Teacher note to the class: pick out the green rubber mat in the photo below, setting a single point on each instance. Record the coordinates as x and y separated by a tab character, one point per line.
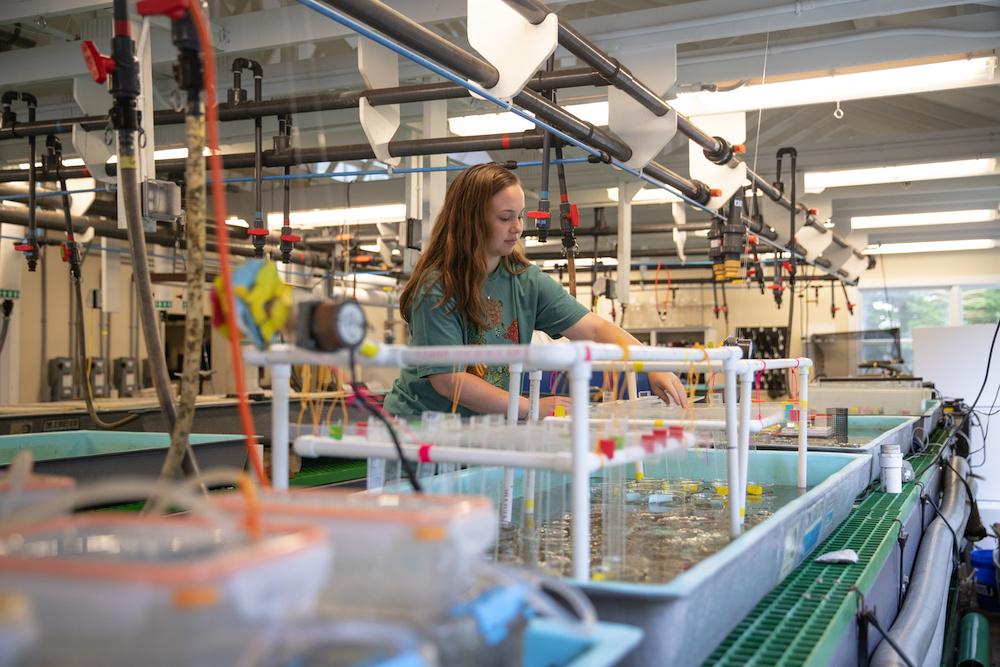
325	471
802	620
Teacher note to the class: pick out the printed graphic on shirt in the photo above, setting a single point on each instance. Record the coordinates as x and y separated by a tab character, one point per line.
498	376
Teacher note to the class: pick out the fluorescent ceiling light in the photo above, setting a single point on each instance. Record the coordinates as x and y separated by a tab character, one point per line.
506	122
834	88
333	217
580	262
921	219
68	162
817	181
237	222
842	87
373	247
929	246
167	154
648	196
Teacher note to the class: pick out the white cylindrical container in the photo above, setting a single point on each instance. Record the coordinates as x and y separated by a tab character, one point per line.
892	468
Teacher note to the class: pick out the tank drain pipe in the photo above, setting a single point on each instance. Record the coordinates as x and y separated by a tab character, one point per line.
258	231
29	246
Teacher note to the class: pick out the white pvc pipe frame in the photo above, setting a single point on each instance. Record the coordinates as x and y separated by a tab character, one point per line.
578	358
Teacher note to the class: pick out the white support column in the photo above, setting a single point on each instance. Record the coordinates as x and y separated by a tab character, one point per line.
803	473
435	183
732	449
280	379
627	191
414	211
534	396
746	396
579	390
513	408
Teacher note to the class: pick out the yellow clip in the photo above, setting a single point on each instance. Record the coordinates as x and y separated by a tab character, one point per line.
658	423
639	476
755	490
743	512
369	349
559	411
637	366
722	490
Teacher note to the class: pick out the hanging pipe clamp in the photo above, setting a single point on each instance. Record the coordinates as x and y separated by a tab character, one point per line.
29	244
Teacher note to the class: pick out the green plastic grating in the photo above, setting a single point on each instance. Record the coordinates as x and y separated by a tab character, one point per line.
324	471
801	621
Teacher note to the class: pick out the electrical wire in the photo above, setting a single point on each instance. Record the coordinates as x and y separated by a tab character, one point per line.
362	396
8	308
222	234
989	360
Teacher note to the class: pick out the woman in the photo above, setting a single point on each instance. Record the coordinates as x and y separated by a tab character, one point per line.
474	285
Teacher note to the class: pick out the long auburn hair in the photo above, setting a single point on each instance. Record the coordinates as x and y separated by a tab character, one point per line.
456	253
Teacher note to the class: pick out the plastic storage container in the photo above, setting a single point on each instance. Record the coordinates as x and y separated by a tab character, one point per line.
986	579
397	556
116	589
36	488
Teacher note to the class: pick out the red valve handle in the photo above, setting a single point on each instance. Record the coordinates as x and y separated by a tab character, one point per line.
173	9
258	231
98	64
23	247
574	215
538	215
291	238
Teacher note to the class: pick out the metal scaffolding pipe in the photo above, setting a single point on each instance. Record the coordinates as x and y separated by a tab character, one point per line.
411	34
272	158
570	78
104	227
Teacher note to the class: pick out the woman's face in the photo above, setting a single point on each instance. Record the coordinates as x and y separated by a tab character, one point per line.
505	220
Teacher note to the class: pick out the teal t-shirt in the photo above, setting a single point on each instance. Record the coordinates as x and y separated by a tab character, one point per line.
516	306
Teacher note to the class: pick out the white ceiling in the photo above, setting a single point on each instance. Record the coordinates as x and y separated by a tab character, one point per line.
718	41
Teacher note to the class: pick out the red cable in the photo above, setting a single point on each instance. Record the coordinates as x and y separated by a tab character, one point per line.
219	205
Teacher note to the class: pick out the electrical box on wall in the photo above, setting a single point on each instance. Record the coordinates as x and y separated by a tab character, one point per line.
125	377
98	376
60	378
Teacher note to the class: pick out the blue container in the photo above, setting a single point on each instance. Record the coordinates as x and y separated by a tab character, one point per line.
986	579
552	644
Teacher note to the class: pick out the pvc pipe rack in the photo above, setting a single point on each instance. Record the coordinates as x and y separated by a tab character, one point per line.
578	359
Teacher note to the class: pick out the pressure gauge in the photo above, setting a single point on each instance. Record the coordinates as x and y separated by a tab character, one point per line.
330	325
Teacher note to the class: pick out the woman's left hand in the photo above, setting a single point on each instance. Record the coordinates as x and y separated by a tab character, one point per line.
668	387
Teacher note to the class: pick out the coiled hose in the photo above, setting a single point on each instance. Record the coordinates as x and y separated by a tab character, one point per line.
194	323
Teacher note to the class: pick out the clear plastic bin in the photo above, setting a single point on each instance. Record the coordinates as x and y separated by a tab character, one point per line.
398	556
36	488
118	589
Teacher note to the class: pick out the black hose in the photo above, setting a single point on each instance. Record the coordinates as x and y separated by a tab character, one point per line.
81	330
8	308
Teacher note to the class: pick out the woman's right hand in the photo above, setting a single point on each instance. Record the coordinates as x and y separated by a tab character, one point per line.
547	405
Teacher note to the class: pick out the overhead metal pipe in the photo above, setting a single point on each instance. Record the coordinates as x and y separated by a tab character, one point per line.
107	228
570	78
411	34
298	156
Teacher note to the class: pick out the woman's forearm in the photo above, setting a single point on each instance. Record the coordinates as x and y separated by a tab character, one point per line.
475	393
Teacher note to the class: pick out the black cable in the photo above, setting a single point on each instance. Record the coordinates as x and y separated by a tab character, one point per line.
954	535
403	461
869	616
901	539
989	359
8	308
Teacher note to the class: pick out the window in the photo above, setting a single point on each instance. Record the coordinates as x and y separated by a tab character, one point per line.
905	308
980	305
928	307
